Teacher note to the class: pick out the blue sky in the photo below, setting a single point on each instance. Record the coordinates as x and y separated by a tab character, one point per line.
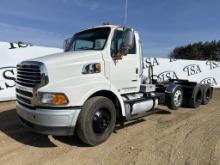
163	24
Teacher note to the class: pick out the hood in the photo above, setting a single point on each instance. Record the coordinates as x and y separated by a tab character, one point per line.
68	57
67	65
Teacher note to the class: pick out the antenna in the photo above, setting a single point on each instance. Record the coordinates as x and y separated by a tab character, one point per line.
126	12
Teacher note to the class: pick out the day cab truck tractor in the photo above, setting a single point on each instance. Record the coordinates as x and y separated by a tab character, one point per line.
95	83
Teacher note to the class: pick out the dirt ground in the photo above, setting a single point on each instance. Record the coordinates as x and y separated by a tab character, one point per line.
186	136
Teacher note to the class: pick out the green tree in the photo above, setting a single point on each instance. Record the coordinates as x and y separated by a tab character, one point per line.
198	51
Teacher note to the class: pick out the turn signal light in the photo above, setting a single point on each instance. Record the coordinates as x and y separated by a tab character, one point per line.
54	99
59	99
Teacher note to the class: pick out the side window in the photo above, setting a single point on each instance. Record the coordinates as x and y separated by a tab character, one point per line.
99	43
133	49
117	43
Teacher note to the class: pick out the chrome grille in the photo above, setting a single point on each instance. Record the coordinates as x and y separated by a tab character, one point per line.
30	76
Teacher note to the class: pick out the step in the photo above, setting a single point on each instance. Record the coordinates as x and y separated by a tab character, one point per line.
147	88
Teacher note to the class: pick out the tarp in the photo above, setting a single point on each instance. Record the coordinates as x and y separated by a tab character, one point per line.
10	55
205	72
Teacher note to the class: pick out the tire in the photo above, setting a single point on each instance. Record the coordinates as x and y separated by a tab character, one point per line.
207	94
174	100
96	120
196	98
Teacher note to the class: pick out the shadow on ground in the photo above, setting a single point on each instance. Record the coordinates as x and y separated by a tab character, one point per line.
162	112
12	127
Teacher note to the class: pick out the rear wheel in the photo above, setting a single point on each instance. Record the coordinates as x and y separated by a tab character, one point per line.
96	120
196	98
207	94
174	100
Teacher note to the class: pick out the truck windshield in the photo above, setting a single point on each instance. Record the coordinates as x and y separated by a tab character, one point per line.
92	39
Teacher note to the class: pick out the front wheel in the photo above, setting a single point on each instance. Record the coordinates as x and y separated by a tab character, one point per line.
96	120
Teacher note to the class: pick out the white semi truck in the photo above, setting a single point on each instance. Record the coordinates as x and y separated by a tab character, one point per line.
95	83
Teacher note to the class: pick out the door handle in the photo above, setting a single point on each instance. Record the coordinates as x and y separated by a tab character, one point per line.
136	70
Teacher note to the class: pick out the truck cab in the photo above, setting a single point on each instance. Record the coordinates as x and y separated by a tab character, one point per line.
96	82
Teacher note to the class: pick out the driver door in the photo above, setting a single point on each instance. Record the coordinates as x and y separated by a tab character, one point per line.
124	73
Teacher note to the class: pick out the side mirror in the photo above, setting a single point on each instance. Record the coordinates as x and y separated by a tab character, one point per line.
127	40
66	43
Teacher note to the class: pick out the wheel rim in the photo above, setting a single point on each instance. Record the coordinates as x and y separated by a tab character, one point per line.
101	121
178	97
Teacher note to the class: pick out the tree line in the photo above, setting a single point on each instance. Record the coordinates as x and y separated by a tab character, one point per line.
209	50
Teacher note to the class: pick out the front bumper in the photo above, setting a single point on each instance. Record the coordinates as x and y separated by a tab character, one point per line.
48	121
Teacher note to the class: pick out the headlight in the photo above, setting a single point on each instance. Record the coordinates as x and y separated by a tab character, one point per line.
53	98
91	68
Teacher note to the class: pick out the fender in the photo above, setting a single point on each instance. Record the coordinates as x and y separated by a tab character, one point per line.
113	90
171	88
87	90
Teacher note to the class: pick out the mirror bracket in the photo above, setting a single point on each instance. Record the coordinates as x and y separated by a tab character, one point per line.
118	56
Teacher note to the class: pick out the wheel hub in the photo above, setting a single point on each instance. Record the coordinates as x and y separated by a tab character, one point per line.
101	121
178	97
